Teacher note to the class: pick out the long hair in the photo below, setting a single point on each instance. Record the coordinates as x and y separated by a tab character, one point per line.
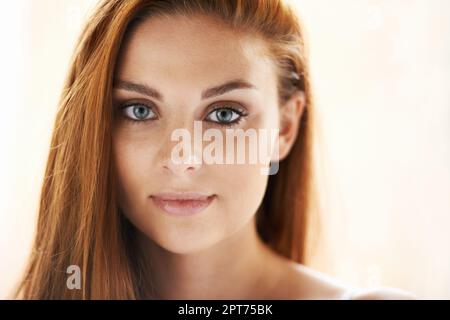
79	221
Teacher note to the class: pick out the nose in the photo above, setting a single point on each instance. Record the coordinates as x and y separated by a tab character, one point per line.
183	155
185	164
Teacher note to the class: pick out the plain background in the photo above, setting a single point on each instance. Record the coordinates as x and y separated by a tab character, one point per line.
381	75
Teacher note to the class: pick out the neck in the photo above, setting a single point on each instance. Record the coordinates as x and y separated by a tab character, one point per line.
239	267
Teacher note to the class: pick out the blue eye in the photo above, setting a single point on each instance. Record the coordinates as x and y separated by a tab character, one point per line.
225	116
138	112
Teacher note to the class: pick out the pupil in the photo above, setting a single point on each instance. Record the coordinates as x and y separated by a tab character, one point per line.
140	112
225	115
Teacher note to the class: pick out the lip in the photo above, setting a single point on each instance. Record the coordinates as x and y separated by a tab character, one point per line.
182	203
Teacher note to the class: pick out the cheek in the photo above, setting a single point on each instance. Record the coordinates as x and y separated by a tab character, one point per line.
242	188
133	161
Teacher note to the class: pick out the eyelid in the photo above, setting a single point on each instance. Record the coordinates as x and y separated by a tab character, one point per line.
133	103
228	105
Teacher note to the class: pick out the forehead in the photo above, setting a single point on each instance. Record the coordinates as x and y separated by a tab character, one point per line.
192	50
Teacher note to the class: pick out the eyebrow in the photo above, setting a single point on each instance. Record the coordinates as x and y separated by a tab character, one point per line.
206	94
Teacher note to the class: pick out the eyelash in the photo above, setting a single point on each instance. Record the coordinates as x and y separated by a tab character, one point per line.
240	112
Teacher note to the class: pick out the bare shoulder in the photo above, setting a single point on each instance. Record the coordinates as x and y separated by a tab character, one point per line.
300	282
383	293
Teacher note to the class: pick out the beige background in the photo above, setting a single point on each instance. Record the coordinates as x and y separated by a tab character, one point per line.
381	72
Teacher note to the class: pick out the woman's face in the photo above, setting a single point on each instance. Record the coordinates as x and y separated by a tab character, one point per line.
164	70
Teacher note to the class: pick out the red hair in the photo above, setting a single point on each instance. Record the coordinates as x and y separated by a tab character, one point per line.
79	221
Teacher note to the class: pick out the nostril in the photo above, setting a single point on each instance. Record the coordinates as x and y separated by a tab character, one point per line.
180	165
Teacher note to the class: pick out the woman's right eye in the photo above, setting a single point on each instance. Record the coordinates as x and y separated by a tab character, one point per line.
138	112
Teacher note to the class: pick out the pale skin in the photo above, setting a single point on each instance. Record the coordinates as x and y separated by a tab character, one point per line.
216	254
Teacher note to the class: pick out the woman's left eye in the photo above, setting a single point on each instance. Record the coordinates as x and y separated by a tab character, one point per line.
225	116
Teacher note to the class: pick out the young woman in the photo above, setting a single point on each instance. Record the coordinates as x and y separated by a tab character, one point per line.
140	225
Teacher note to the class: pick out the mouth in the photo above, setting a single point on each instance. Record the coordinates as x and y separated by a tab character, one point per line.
182	203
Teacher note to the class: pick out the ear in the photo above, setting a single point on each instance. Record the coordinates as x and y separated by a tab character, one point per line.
290	115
